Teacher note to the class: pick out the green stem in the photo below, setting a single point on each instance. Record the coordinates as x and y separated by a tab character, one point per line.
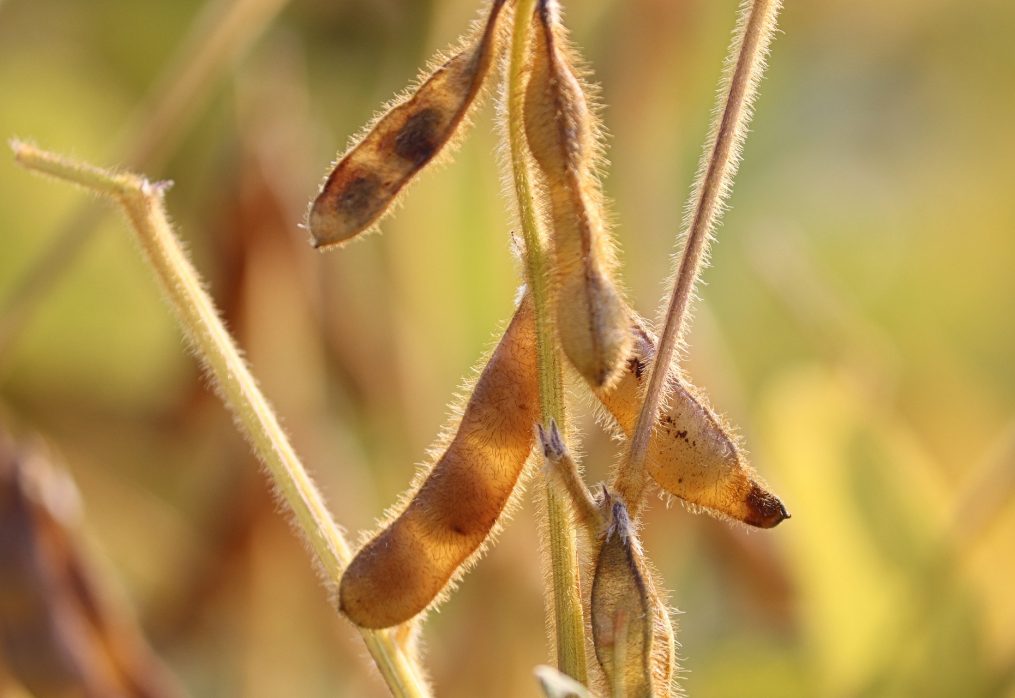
569	621
200	321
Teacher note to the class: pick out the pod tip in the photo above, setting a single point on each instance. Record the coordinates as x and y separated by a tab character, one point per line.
766	510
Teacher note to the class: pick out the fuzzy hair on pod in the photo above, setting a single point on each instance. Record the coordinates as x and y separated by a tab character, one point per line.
692	453
562	133
449	515
631	629
403	140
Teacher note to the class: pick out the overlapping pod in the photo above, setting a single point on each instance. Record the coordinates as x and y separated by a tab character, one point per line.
691	453
405	567
368	178
592	321
631	628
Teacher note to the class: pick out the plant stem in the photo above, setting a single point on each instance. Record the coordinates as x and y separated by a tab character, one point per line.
569	621
200	321
718	165
563	467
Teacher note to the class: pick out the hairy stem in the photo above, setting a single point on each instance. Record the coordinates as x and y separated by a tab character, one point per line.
718	165
565	469
200	321
569	622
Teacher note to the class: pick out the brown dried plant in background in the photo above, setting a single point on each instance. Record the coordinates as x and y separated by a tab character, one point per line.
62	632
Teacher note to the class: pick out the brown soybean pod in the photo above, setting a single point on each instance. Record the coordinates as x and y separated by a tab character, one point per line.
691	454
405	567
591	316
631	629
368	178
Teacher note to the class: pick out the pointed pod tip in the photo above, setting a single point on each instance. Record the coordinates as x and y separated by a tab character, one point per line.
765	509
324	243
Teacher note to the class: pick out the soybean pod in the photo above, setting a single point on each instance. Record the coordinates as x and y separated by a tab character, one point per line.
561	131
452	511
367	180
692	454
631	628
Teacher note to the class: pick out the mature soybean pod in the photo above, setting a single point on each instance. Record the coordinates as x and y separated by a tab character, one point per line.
405	567
631	629
368	178
691	454
559	126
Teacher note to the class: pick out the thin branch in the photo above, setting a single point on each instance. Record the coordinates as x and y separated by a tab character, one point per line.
566	471
143	203
745	65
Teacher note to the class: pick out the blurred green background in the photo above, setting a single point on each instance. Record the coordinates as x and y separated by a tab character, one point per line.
857	323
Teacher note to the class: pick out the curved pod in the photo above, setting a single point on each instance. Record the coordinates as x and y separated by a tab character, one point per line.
559	128
691	453
400	572
367	180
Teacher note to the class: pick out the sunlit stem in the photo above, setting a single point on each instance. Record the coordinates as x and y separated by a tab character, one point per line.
568	622
563	467
199	319
718	165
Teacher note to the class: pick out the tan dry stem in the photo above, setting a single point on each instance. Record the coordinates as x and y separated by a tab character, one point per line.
566	471
715	180
565	607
